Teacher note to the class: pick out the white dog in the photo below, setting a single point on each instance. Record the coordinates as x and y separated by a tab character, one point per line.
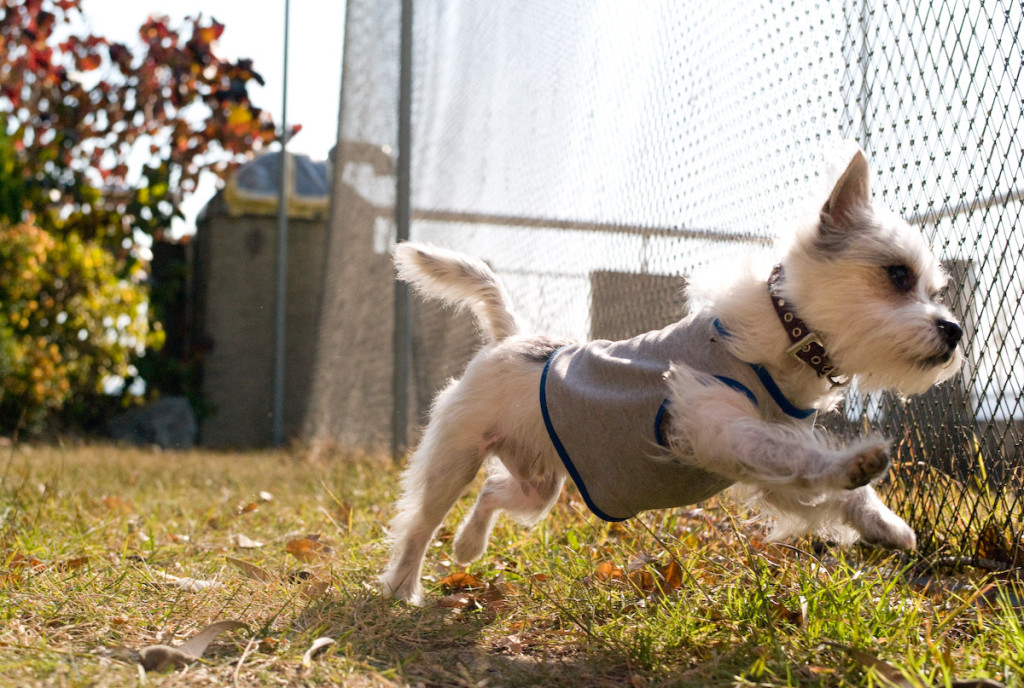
727	395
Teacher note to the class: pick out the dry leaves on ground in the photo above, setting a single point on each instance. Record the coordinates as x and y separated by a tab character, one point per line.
163	657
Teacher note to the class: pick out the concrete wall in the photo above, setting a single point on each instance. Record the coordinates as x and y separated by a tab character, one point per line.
623	305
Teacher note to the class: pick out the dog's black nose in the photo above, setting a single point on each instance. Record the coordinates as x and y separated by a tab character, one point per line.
950	332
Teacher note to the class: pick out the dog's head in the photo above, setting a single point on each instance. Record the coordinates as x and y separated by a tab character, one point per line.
867	283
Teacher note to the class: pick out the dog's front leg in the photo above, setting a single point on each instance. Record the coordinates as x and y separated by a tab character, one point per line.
864	510
720	430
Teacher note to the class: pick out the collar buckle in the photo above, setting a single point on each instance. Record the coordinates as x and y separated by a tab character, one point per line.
805	346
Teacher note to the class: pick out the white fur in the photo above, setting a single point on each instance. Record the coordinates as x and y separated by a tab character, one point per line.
835	276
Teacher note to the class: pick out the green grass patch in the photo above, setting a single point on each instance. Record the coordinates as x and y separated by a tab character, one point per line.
105	552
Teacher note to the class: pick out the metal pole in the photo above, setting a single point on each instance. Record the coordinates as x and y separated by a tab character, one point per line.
281	305
403	182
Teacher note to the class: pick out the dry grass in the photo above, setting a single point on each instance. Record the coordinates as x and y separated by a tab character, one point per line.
93	536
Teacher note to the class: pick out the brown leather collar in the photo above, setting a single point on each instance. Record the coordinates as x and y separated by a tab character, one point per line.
807	346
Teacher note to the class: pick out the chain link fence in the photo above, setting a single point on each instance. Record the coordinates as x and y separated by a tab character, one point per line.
596	153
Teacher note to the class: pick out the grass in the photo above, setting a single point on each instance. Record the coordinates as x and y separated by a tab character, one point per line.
98	545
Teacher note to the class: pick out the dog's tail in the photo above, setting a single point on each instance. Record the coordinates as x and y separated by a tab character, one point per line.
461	281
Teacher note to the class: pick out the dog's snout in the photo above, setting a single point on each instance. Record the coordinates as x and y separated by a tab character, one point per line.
950	332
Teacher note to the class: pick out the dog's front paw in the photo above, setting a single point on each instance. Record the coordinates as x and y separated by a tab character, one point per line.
867	464
875	521
899	535
887	529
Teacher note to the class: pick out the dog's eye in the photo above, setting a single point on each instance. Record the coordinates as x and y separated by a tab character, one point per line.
901	277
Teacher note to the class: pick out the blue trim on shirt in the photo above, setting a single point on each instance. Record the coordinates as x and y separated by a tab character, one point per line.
659	418
773	389
560	448
738	386
770	386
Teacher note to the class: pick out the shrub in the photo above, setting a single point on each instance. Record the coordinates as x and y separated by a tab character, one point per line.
69	323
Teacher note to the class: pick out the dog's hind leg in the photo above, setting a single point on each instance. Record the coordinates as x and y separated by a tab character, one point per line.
527	500
440	470
433	483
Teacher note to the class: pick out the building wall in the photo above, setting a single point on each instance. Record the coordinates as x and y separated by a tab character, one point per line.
236	263
623	305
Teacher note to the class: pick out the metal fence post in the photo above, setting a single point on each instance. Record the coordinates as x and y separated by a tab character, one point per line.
281	307
403	326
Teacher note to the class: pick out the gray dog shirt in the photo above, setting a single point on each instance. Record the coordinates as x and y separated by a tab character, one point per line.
604	405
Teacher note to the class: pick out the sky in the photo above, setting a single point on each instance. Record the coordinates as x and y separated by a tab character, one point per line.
255	29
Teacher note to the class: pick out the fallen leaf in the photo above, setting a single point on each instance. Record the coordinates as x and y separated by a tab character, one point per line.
303	550
307	548
115	503
71	564
248	508
312	591
460	580
186	583
503	564
318	644
607	571
477	595
459	600
643	580
251	570
20	561
198	643
513	644
245	542
672	575
161	657
494	596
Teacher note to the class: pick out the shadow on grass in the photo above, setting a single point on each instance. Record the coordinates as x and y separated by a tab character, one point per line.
440	646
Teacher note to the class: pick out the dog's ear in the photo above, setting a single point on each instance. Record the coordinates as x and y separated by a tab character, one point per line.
851	194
